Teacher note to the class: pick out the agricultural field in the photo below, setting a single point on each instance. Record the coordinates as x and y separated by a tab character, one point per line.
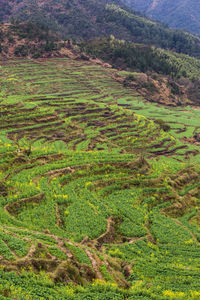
97	200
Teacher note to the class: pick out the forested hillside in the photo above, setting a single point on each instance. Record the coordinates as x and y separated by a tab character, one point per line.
99	18
27	40
178	14
162	70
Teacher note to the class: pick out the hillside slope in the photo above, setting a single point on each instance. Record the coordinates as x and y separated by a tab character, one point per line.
162	76
178	14
98	18
97	201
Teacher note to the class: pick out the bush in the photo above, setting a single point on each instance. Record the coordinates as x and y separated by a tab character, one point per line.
21	50
128	79
163	125
150	86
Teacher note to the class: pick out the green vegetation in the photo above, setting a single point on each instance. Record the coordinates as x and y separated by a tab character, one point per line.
179	73
142	58
27	39
98	201
97	19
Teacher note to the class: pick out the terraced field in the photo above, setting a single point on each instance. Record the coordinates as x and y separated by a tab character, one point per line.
97	201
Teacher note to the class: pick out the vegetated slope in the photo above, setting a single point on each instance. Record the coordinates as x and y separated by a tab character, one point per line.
178	14
93	191
99	18
29	40
67	16
168	77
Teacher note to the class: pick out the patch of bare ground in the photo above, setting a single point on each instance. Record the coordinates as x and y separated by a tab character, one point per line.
181	204
109	235
39	258
32	132
153	90
14	208
183	177
21	159
191	140
59	172
166	151
180	207
3	189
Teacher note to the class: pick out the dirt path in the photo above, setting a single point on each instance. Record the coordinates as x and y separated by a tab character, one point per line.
60	244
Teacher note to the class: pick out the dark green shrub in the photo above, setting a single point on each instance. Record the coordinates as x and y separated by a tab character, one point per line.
163	125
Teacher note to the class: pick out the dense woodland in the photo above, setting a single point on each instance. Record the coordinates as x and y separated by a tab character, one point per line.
142	58
28	39
181	70
100	19
134	56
